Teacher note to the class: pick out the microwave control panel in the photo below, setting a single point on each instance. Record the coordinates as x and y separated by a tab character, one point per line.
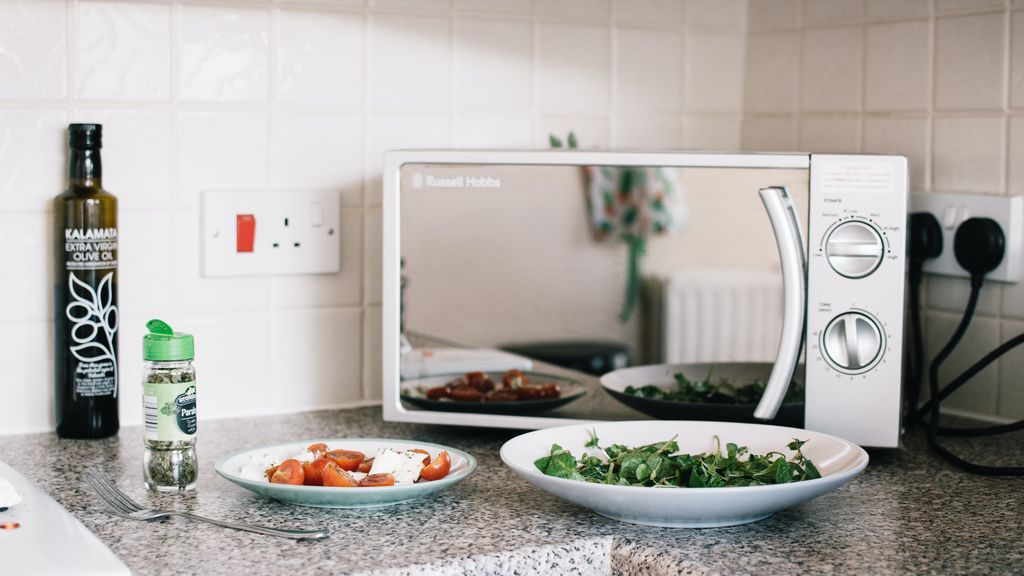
855	290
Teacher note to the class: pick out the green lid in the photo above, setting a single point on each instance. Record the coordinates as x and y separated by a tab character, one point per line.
165	345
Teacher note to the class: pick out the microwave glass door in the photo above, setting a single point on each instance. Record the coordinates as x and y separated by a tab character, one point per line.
652	264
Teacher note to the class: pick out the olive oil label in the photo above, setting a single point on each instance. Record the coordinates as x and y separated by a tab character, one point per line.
90	248
93	319
169	411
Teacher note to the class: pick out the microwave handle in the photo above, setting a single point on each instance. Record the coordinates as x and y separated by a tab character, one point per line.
790	240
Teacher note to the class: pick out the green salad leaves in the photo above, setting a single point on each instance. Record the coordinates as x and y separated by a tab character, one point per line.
660	465
720	391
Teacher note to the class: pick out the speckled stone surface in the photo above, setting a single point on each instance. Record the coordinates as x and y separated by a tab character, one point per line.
908	513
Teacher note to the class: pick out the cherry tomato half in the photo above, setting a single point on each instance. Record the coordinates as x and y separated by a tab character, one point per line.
271	470
437	469
318	449
346	459
365	466
334	476
314	471
426	455
374	480
288	472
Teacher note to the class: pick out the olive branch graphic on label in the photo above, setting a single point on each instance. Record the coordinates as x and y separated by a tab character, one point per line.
94	316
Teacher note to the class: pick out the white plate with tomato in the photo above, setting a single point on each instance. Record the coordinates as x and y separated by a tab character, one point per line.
347	472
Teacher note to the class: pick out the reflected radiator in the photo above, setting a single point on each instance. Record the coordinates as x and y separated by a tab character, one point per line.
713	315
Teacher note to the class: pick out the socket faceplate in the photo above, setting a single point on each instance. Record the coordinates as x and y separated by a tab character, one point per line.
952	209
284	232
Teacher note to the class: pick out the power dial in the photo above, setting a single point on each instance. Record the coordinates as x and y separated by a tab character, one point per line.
854	249
853	342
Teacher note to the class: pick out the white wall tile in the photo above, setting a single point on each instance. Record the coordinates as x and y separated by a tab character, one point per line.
662	13
373	253
712	133
1013	301
773	15
124	51
396	132
496	6
1016	160
33	49
830	134
591	131
833	11
969	61
193	295
1011	375
981	394
318	151
904	136
233	364
419	5
1017	61
884	9
773	73
321	348
33	161
224	54
946	6
897	66
951	294
574	73
220	150
26	277
28	407
140	180
714	72
639	84
831	80
343	288
724	15
647	132
575	9
409	62
968	154
319	58
493	63
493	130
144	253
769	133
372	380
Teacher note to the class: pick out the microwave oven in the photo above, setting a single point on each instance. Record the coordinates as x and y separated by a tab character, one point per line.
793	260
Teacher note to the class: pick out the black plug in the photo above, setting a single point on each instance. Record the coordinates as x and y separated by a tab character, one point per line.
925	242
979	247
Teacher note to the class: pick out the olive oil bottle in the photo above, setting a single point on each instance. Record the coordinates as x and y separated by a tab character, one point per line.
85	295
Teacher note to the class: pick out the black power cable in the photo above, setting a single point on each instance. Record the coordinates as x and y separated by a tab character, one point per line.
979	246
925	242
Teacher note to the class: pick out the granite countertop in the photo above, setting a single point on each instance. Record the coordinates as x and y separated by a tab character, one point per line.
908	513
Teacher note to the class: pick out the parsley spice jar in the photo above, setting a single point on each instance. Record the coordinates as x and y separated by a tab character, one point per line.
169	409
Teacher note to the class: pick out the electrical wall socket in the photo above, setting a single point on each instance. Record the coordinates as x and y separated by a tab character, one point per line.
952	209
270	232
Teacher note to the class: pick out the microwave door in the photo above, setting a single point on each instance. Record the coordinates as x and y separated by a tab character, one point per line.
789	239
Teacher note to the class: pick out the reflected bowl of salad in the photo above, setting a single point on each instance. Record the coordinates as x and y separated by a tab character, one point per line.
722	391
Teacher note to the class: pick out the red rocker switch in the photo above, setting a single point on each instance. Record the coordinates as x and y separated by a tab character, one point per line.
245	232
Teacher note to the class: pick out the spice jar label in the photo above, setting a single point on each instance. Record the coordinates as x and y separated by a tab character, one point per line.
170	411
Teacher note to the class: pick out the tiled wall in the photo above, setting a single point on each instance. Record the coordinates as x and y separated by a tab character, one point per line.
941	82
232	94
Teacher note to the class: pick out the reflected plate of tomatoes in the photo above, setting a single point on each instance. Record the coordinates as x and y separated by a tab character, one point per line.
511	392
371	492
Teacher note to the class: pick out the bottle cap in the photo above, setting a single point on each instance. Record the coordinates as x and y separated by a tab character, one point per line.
85	136
163	344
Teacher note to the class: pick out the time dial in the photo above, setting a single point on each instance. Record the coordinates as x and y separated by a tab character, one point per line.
853	342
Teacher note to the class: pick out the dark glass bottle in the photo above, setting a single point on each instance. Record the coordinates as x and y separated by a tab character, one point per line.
85	314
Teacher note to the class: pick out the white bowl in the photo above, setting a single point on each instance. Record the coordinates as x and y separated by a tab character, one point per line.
838	460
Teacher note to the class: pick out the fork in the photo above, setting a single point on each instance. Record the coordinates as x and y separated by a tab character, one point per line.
125	507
